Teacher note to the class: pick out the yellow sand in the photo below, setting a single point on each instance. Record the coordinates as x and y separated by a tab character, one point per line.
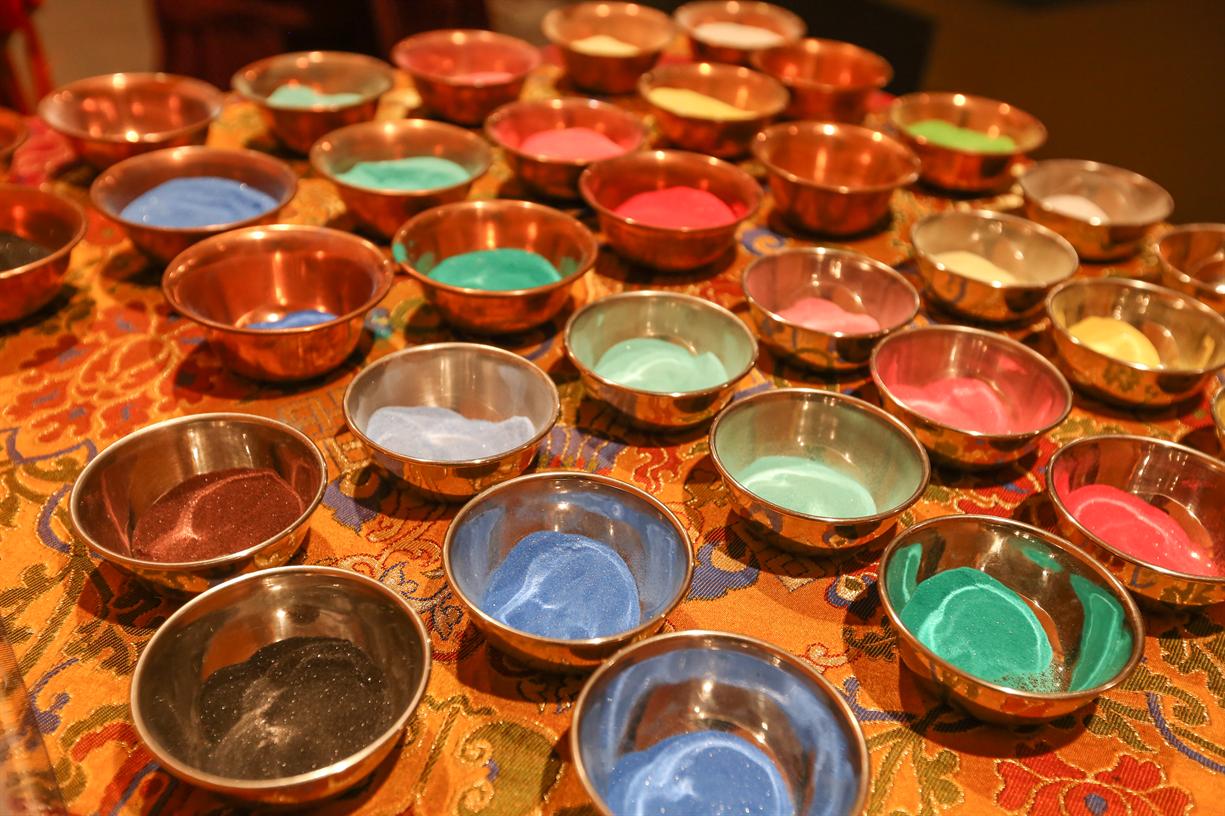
973	265
1116	339
684	102
602	45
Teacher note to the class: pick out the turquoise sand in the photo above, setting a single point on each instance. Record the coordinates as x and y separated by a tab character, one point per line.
405	175
495	270
807	486
652	364
295	95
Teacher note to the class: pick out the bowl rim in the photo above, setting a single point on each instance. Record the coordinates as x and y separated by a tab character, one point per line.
214	782
240	81
641	294
1218	409
813	129
1177	273
654	79
210	95
683	15
663	22
1039	138
21	131
1092	167
504	112
771	653
430	349
1131	613
479	35
814	45
113	449
61	252
684	544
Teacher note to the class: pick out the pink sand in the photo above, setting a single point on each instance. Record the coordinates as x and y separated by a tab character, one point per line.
571	144
677	207
827	316
964	403
483	77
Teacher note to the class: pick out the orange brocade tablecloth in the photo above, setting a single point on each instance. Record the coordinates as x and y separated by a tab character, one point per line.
491	736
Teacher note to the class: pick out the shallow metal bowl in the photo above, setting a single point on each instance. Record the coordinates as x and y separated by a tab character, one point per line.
829	81
1192	259
648	29
49	220
790	27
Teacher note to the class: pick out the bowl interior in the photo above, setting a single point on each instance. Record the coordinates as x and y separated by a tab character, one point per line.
643	26
826	63
739	87
338	151
12	131
325	72
610	183
1015	245
521	119
130	107
973	113
44	218
839	156
758	15
1198	253
1125	197
449	54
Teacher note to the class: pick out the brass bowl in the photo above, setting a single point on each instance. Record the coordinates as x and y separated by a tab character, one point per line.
1185	483
13	132
113	117
258	273
782	22
121	183
1036	565
324	71
696	680
1182	329
1024	379
608	184
122	481
762	96
437	61
384	211
650	30
1038	257
45	218
966	170
829	81
480	382
833	178
1192	260
549	176
1133	203
692	322
228	624
645	533
857	438
852	280
469	226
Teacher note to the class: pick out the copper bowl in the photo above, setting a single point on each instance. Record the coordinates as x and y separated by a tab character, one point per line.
648	29
50	220
788	26
121	183
438	61
1133	205
1039	258
324	71
13	132
829	81
254	274
384	211
113	117
761	97
833	178
552	177
1185	483
1187	333
480	382
608	184
855	282
120	483
1218	418
966	170
1026	382
469	226
691	322
1192	260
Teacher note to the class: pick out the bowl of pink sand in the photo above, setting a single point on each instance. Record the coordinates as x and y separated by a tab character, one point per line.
607	46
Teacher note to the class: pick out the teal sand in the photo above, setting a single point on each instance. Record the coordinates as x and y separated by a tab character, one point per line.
411	174
493	270
652	364
807	486
304	96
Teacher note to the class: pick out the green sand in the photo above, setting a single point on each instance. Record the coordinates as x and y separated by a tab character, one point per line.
807	486
405	175
946	134
1105	641
304	96
651	364
494	270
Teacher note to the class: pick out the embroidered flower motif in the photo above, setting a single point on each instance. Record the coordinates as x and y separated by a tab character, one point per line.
1047	784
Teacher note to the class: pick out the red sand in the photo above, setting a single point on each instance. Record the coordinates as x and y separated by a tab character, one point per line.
964	403
677	207
571	144
825	315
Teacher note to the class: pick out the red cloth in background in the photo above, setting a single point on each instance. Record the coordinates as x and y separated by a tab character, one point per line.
14	19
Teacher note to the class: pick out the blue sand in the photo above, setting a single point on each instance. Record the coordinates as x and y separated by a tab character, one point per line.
197	201
294	320
440	434
563	585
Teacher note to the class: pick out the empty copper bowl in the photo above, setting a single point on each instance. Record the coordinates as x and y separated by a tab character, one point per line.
113	117
464	75
829	81
608	184
832	178
13	132
1192	260
547	175
1030	387
1036	257
49	220
258	274
760	96
1133	205
647	29
385	211
470	226
789	27
328	72
1189	337
966	170
480	382
117	487
854	281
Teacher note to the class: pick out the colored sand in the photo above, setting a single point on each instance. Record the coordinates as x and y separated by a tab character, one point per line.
973	265
214	514
1116	338
483	77
16	251
737	35
295	95
807	486
197	201
711	773
440	434
964	403
292	707
1076	207
405	175
571	144
677	208
825	315
602	45
652	364
563	585
684	102
946	134
496	270
1105	640
293	320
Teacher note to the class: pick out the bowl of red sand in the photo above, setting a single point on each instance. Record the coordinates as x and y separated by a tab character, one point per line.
732	31
829	81
550	142
607	46
975	399
463	75
670	210
190	502
1152	512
